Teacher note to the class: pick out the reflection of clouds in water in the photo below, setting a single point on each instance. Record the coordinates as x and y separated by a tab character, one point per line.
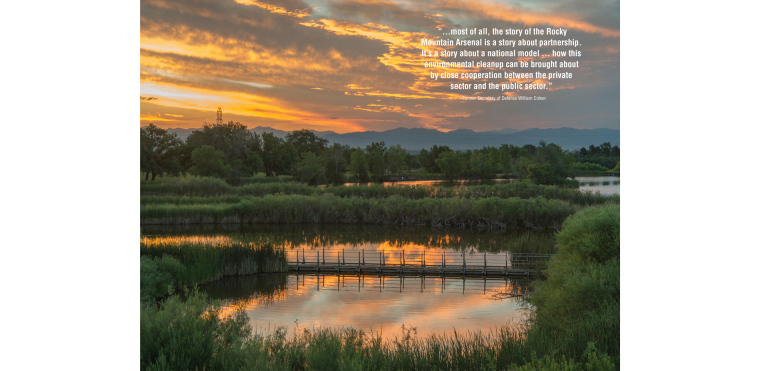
371	303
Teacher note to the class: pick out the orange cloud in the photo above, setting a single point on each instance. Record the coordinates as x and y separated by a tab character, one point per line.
274	8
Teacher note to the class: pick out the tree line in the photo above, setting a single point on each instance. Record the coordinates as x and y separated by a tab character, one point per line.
605	155
231	152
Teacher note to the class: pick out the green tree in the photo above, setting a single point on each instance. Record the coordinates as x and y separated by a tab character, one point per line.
159	152
306	141
310	169
358	166
395	157
484	163
336	159
240	147
278	155
208	161
376	160
452	164
428	159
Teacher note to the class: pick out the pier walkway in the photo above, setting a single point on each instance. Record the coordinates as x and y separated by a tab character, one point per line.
415	262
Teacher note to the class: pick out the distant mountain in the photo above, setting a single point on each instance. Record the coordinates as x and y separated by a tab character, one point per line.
415	139
267	129
181	133
503	131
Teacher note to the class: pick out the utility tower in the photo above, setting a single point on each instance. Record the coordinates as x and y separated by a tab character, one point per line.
219	116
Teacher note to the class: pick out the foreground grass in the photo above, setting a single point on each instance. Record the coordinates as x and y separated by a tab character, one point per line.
488	213
181	335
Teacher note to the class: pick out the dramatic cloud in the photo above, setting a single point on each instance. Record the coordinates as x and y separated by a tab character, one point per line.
356	65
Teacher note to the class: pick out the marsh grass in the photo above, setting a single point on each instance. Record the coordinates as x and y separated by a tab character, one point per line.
204	262
193	335
195	190
334	235
484	213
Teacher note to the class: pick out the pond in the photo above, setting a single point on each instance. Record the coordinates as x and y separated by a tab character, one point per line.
375	304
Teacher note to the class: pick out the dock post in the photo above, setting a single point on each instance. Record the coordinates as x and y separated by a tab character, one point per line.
464	264
303	255
344	256
422	270
323	255
317	268
363	257
297	265
403	260
485	264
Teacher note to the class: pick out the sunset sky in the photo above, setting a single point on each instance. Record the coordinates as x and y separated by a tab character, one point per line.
355	65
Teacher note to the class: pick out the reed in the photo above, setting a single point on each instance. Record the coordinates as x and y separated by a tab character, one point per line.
216	191
329	235
204	262
189	335
486	213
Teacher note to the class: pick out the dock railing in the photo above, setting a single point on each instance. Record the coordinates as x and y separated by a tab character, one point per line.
419	261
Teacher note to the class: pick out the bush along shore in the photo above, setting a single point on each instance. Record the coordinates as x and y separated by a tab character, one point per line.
575	324
489	213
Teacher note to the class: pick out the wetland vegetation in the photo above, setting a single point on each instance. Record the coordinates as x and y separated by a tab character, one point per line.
227	202
562	333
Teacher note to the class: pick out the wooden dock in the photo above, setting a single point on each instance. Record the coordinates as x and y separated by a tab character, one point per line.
414	262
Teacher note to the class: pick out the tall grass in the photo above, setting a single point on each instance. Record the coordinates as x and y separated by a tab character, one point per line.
203	262
214	191
329	235
190	335
489	213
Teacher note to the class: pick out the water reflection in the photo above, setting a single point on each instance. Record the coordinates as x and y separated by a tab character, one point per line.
359	237
441	183
606	185
375	304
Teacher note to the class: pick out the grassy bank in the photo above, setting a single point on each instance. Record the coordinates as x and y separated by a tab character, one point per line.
194	190
489	213
189	263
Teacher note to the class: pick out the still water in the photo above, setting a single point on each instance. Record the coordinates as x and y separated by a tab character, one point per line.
376	304
338	237
606	185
